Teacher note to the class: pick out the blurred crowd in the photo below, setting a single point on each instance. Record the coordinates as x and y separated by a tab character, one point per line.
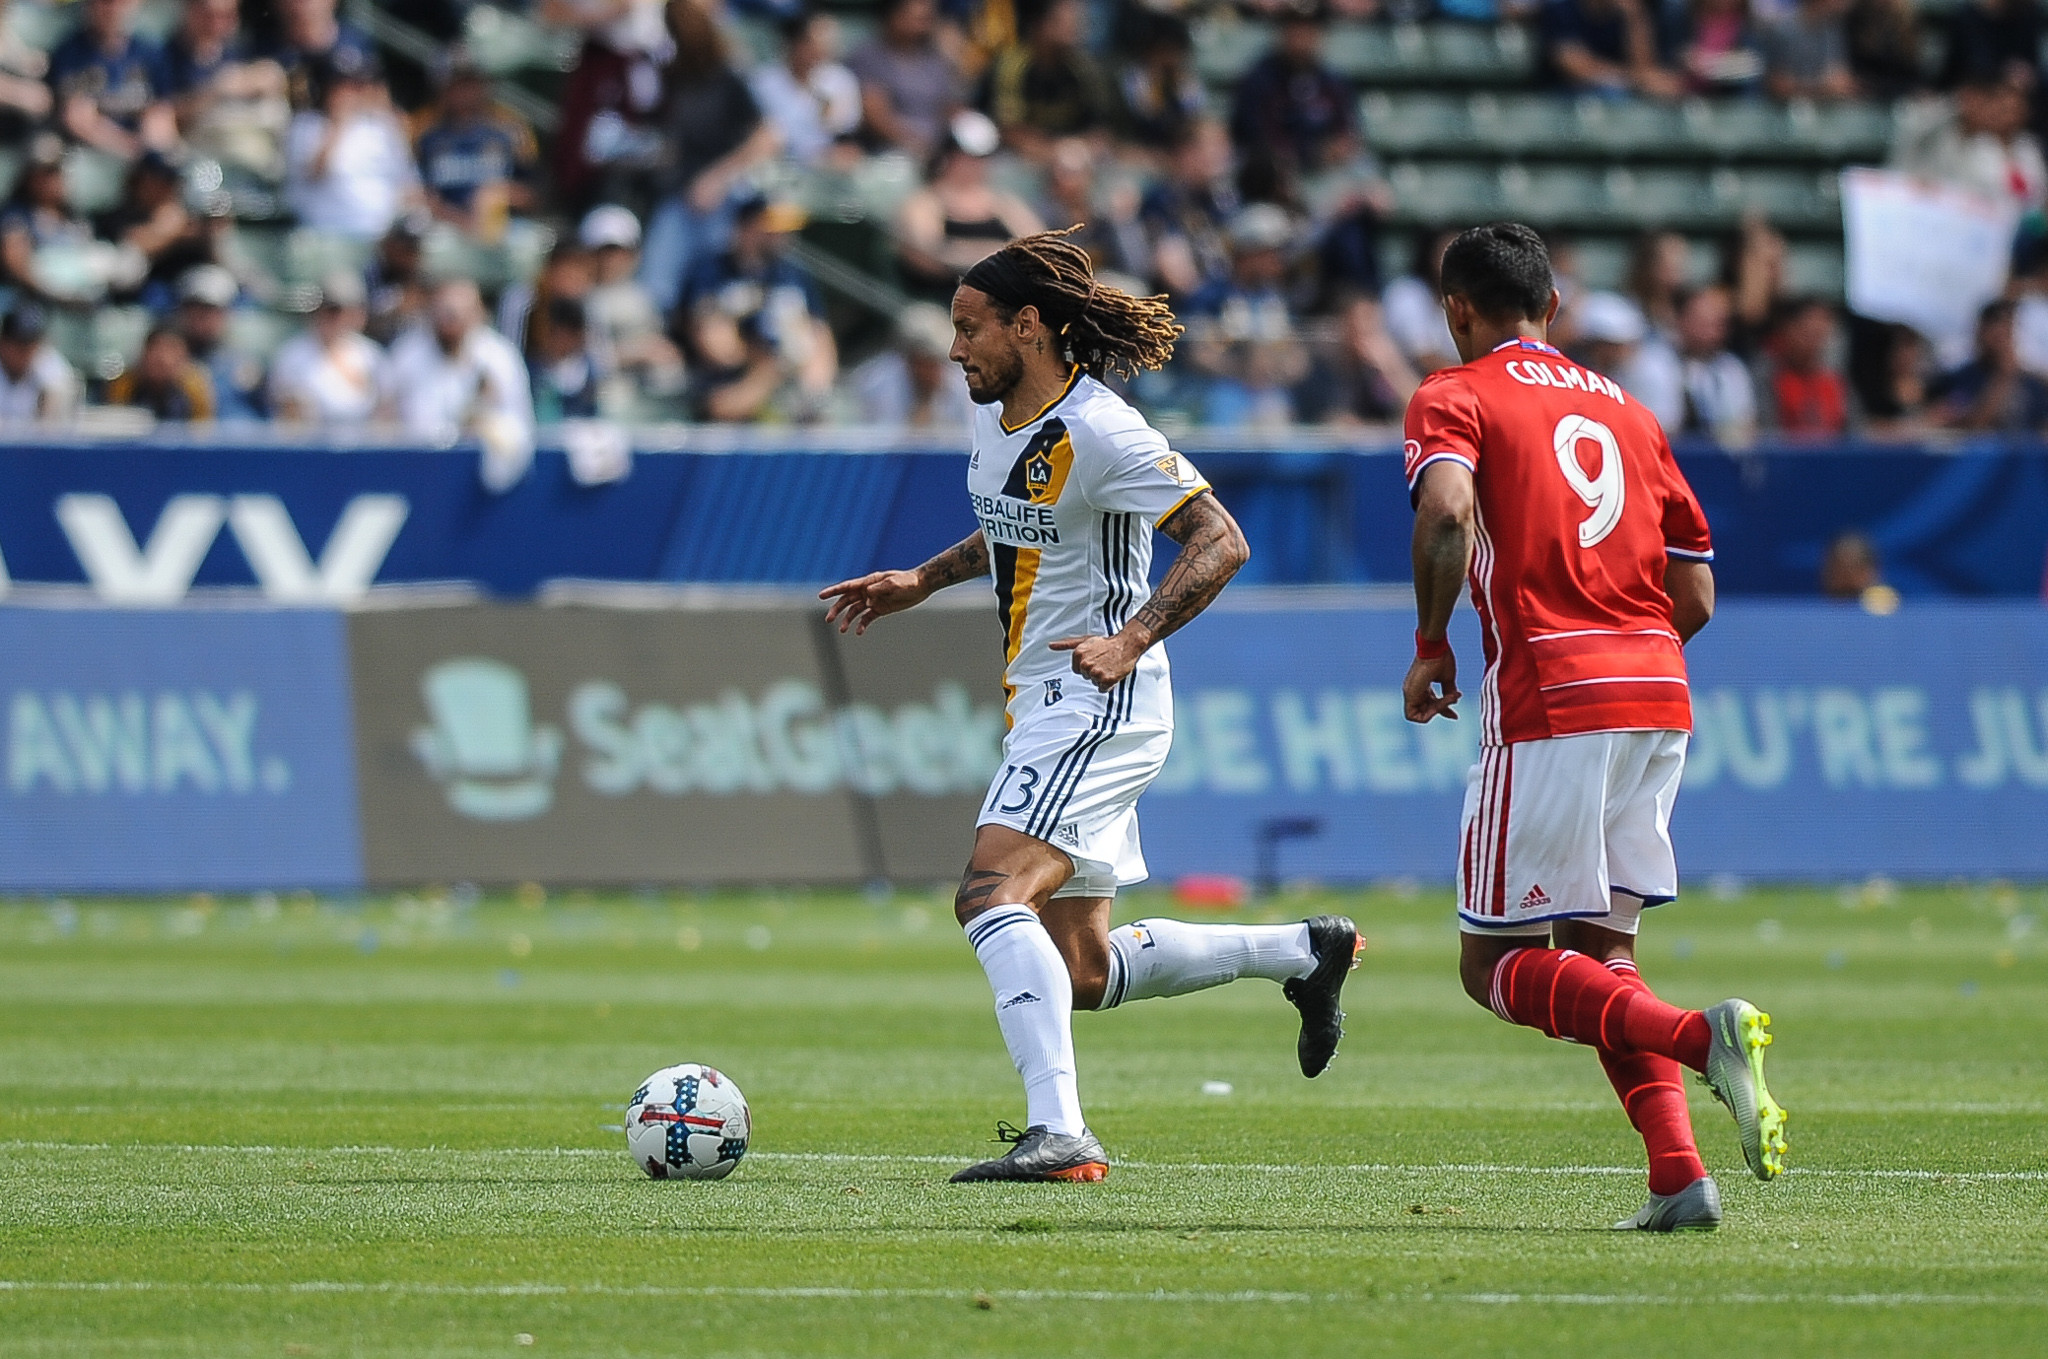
654	256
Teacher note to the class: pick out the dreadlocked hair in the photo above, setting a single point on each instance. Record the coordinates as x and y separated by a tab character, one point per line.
1105	329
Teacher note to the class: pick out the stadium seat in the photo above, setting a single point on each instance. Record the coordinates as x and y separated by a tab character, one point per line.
100	343
504	42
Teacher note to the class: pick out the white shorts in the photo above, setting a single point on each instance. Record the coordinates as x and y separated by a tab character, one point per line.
1569	828
1073	770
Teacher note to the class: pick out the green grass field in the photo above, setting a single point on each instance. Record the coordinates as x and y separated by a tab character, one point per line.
264	1128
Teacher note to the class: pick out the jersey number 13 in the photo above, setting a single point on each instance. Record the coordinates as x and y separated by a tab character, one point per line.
1605	490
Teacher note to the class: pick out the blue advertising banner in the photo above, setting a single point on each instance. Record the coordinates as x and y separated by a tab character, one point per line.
1829	744
158	751
144	524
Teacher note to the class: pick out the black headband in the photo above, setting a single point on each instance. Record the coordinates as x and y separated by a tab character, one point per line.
1004	280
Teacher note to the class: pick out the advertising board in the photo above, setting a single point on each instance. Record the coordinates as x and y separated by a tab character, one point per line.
591	745
152	751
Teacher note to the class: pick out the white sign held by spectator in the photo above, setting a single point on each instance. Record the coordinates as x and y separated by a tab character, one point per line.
1923	254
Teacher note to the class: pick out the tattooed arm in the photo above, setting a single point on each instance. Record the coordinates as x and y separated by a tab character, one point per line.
857	603
1212	548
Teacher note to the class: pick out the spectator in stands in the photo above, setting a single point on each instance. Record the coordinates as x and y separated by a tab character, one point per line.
568	271
612	95
349	169
25	98
812	100
310	39
1605	47
1369	380
162	236
947	227
476	160
1104	207
1891	372
1806	53
564	375
1978	141
1245	337
1753	266
206	294
908	87
713	135
1659	271
914	384
1292	110
1415	308
109	85
1718	48
756	322
1720	396
1187	212
330	374
396	280
1614	339
1984	38
1803	391
1884	48
36	384
455	377
627	333
231	103
1160	92
1046	86
41	234
1992	392
165	381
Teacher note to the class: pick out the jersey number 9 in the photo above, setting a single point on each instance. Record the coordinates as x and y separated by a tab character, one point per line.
1604	490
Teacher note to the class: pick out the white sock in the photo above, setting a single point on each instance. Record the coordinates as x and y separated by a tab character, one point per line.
1171	958
1035	1010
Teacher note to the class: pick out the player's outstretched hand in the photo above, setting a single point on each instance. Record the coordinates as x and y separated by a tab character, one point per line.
857	603
1431	688
1102	661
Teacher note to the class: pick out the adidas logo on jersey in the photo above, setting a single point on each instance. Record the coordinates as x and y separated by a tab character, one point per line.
1068	834
1021	998
1537	898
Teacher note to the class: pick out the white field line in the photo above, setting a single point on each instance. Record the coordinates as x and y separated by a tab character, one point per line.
834	1293
853	1158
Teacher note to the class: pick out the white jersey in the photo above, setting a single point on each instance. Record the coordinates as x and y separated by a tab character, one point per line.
1067	503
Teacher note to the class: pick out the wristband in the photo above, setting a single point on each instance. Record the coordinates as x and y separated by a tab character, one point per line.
1426	650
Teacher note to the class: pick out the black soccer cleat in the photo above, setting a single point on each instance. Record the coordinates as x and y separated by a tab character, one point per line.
1336	943
1037	1155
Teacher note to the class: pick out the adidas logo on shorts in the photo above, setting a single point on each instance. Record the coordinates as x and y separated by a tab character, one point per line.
1021	998
1536	900
1068	835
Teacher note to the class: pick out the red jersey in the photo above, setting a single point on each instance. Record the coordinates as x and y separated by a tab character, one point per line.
1579	504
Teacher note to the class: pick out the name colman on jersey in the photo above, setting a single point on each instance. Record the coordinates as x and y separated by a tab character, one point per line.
1004	520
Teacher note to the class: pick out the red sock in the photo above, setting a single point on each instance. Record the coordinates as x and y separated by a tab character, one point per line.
1652	1090
1568	995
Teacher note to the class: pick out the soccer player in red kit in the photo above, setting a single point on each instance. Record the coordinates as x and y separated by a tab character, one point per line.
1556	494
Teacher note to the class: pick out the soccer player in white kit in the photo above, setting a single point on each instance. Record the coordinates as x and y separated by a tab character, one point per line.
1069	482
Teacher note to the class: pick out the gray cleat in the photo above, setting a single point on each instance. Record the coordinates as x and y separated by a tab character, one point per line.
1695	1208
1039	1155
1735	1073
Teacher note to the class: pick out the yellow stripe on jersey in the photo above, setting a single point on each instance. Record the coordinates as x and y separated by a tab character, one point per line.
1045	474
1019	603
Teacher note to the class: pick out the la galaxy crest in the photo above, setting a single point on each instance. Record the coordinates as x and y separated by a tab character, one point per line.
1038	474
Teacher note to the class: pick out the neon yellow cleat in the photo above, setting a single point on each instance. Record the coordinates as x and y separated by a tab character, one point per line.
1735	1073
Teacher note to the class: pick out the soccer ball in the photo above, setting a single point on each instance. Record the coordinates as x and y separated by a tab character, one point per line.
687	1122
